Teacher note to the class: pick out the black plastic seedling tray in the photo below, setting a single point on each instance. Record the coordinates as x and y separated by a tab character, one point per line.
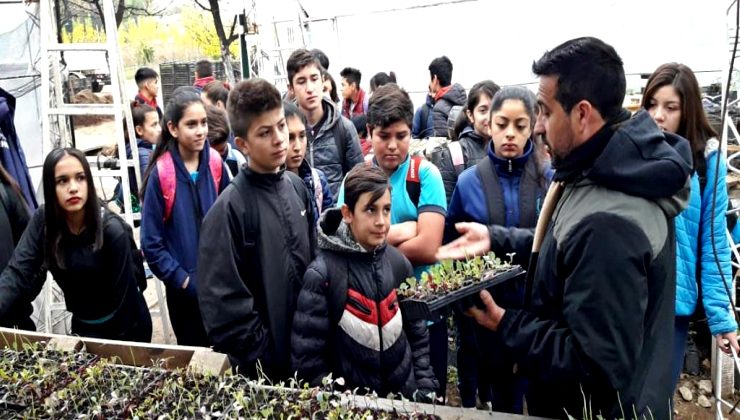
414	308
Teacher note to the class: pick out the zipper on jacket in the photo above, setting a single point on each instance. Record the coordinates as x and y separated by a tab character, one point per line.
378	285
511	169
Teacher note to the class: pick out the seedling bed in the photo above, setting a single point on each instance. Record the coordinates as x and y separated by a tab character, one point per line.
28	376
101	391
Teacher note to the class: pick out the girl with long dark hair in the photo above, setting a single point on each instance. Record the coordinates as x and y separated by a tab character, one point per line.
88	251
673	98
182	182
504	191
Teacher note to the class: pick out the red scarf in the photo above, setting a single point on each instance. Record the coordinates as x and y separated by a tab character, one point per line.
441	92
200	83
143	100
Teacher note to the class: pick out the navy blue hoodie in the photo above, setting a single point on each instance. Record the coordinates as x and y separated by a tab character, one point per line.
171	247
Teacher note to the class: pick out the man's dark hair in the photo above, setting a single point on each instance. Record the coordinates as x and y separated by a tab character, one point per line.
351	75
363	179
586	69
218	125
389	105
323	59
248	100
204	68
143	74
298	60
381	79
291	110
442	68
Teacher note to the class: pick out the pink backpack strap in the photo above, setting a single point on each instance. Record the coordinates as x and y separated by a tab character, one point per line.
167	182
217	167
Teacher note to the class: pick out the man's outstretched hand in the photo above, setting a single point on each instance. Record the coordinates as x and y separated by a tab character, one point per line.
489	317
474	240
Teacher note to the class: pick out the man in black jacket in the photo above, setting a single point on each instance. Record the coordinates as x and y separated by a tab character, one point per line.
256	241
600	323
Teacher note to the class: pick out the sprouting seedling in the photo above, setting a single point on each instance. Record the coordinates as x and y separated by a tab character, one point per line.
511	257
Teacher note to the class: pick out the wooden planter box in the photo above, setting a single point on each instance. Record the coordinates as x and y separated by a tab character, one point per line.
207	361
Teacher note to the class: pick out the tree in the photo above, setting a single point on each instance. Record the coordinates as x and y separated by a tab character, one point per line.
123	9
224	40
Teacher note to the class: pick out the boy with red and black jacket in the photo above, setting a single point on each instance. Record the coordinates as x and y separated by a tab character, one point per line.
348	322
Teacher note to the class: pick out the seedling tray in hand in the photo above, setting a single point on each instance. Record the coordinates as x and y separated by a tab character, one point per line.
416	308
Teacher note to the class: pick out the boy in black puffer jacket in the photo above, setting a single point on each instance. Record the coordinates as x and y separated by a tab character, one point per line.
348	322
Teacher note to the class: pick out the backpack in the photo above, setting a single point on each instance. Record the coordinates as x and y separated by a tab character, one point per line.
413	180
338	283
168	179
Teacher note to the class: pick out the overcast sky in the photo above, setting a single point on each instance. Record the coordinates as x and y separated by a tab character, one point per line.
499	40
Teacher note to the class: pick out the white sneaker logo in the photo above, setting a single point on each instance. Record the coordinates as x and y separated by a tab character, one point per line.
303	213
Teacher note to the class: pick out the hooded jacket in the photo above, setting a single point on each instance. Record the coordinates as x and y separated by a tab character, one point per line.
14	217
518	203
171	246
257	240
473	149
454	95
423	125
600	324
372	346
695	254
11	152
323	153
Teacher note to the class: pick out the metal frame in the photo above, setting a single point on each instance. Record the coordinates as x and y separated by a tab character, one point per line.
56	130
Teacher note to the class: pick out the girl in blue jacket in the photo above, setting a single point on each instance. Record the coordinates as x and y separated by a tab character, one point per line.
182	182
672	97
504	190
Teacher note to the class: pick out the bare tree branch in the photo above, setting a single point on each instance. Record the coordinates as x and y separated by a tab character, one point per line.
202	6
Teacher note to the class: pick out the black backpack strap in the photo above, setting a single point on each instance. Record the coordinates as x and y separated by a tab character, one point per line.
399	265
529	194
492	191
340	139
242	184
337	285
413	179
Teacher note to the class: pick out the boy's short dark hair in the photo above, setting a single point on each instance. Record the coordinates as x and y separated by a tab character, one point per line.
298	60
360	122
291	110
362	179
352	75
323	59
249	99
388	105
204	68
442	68
143	74
218	125
216	91
587	69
